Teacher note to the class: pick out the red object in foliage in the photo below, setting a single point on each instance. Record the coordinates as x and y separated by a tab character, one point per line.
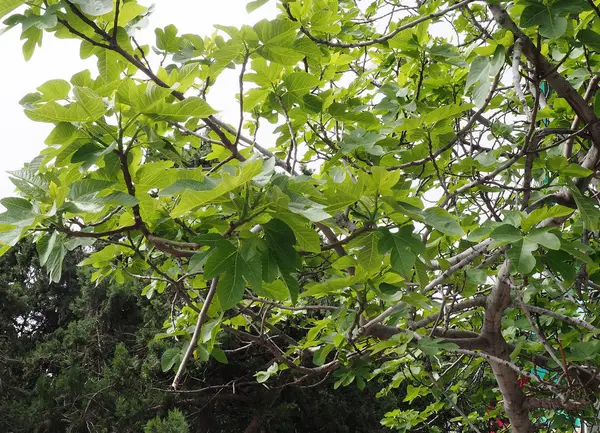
497	424
522	381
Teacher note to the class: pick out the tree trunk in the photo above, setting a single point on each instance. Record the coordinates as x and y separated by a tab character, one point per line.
513	397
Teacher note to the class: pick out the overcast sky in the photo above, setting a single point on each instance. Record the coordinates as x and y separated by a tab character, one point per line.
22	139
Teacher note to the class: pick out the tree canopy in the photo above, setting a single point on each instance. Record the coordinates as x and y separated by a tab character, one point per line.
423	215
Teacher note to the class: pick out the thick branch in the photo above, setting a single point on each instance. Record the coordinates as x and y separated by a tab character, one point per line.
497	301
560	85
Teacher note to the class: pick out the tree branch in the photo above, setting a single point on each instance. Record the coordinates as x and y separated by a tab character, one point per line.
382	39
196	335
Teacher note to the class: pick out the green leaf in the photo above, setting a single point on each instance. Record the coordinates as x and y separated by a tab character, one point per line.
551	25
422	277
402	259
480	71
479	76
54	89
306	236
8	5
181	111
17	210
522	260
270	270
197	261
562	263
87	187
590	39
575	170
506	234
368	255
90	153
219	355
18	217
320	355
432	347
144	97
180	185
278	32
220	259
300	82
192	199
587	208
414	392
253	5
312	103
280	239
251	267
417	300
292	285
441	220
476	276
583	351
282	55
307	48
543	237
263	376
129	11
329	286
33	37
166	39
446	112
52	252
237	267
275	290
541	214
95	7
230	289
569	6
578	250
169	358
109	66
89	107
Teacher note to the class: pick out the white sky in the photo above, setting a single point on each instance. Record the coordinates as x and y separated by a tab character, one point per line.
22	139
